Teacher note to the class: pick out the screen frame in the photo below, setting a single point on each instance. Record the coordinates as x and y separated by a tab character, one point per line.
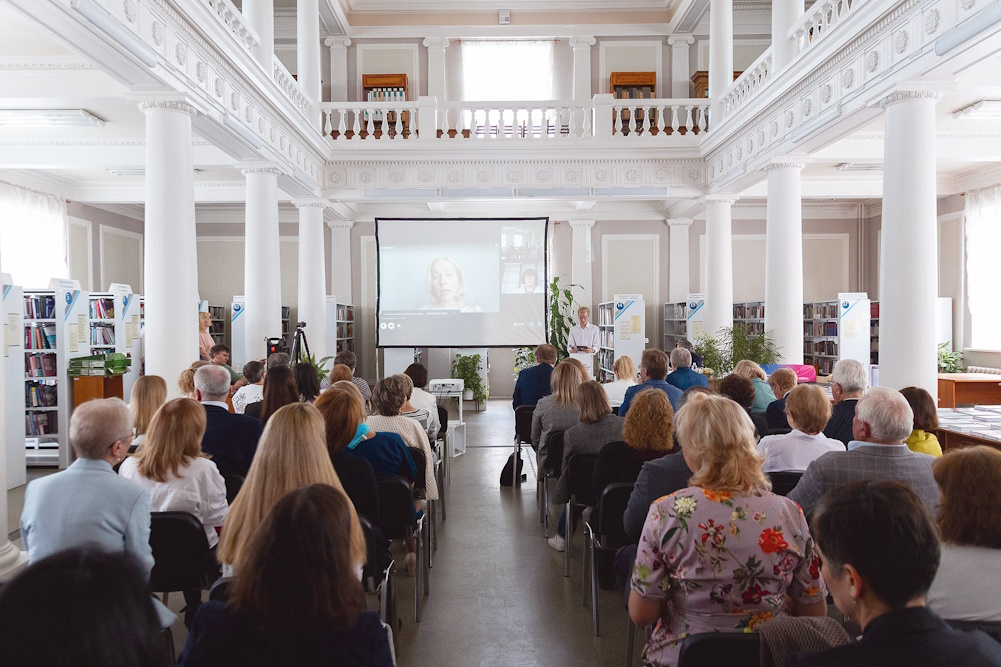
378	277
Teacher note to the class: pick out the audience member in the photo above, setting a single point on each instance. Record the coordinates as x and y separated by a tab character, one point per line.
342	414
420	398
849	380
882	421
253	390
340	372
88	504
921	439
279	390
80	607
782	381
740	390
967	586
230	440
763	395
186	380
205	340
349	359
807	410
306	381
148	393
880	553
625	377
292	454
420	415
296	600
535	382
277	359
696	357
558	411
653	370
706	562
597	427
219	355
683	376
387	399
386	452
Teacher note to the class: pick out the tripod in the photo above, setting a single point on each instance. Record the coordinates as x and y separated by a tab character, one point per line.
299	343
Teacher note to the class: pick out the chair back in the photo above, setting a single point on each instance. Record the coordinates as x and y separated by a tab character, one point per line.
396	507
580	479
371	569
523	422
420	462
554	457
991	628
233	485
784	482
220	589
180	551
443	420
709	649
612	509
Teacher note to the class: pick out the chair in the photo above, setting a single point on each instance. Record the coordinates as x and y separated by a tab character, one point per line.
552	470
375	580
181	554
610	534
991	628
398	521
708	649
784	482
233	485
522	433
420	488
580	480
443	436
221	589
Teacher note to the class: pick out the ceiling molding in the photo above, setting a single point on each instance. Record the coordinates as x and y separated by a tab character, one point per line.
44	64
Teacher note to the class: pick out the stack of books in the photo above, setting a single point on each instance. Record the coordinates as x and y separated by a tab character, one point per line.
99	365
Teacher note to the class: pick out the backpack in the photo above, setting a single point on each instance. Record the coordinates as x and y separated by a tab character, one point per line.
507	474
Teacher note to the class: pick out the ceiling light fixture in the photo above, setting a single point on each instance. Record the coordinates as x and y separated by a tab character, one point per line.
48	118
853	166
980	109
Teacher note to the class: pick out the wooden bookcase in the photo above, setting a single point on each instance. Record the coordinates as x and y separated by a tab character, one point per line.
386	87
632	86
701	82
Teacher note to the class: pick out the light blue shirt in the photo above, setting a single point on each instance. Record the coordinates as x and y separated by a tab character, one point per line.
87	505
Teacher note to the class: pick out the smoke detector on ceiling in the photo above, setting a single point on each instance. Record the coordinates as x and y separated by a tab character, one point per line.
504	17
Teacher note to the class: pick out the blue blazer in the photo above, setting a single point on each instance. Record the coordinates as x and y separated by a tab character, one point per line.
683	378
775	415
533	383
673	394
230	439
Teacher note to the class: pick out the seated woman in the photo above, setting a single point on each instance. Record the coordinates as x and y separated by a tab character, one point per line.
291	453
420	398
724	554
558	411
253	390
186	380
741	391
763	394
880	552
280	390
340	372
296	600
597	427
421	415
967	586
921	439
807	410
148	394
625	377
306	381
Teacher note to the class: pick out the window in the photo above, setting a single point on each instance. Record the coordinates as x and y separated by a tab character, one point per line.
32	237
507	71
983	238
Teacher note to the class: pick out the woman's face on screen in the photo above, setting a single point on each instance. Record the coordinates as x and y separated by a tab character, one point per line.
444	282
529	282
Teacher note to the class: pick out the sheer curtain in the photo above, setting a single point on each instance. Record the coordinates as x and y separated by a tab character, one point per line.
983	239
32	236
506	71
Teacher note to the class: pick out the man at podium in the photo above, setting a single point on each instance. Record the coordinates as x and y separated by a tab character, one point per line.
583	337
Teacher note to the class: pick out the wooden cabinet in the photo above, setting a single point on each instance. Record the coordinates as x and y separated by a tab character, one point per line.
86	388
631	86
383	84
701	82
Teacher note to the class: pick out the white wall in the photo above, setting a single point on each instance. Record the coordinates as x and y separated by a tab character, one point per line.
122	259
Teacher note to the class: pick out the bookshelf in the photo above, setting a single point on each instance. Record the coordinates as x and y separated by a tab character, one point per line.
834	330
340	326
632	86
390	88
874	333
13	383
102	322
217	329
683	320
621	332
700	81
750	314
287	327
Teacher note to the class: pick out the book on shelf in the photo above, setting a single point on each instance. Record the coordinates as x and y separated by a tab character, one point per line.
102	309
39	307
40	337
102	334
40	365
40	395
40	423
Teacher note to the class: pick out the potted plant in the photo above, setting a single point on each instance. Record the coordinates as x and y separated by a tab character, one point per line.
319	366
720	353
467	368
561	316
524	357
949	361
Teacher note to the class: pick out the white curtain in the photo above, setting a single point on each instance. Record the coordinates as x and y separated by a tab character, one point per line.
505	71
32	236
983	239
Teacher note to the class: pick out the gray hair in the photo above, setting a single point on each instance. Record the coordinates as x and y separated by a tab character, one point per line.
851	375
279	359
887	413
685	343
212	382
681	358
97	424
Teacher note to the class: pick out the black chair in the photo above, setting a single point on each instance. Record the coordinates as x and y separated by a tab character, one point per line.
420	490
397	521
376	579
609	535
445	453
615	411
221	589
580	480
522	433
708	649
551	470
233	485
181	554
784	482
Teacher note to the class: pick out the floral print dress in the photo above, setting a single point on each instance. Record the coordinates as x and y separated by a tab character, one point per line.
724	562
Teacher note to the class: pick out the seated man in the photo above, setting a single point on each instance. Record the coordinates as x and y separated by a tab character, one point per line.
683	376
883	419
782	381
230	439
349	359
653	370
219	354
848	382
533	383
696	358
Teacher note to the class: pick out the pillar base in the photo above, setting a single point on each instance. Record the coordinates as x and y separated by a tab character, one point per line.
12	561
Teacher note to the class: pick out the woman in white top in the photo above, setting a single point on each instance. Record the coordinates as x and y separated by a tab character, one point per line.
625	377
253	391
421	399
967	586
808	412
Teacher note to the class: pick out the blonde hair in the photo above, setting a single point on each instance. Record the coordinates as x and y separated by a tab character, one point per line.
291	454
783	378
649	423
748	369
173	441
565	380
624	368
593	402
148	394
583	309
186	380
409	383
204	319
351	388
719	434
809	408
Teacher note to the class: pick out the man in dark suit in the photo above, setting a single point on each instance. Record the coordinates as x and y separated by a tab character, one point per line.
653	370
848	382
230	439
534	383
683	376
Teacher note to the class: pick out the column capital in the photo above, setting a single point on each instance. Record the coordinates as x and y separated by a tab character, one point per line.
310	203
722	198
260	169
687	40
436	42
581	224
341	224
909	95
342	42
180	106
783	163
582	41
678	222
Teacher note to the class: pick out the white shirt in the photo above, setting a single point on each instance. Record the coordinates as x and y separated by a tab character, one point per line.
794	451
199	489
583	337
245	395
967	586
617	390
422	399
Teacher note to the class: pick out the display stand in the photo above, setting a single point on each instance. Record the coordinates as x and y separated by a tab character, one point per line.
128	327
675	324
835	330
587	360
622	332
452	388
14	383
237	319
340	326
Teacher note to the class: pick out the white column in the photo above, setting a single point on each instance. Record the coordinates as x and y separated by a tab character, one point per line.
580	266
681	72
680	285
582	67
171	259
784	260
338	67
262	286
436	67
260	14
312	274
908	257
307	48
719	264
785	13
720	50
340	260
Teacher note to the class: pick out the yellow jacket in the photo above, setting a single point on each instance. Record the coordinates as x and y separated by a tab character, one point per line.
923	443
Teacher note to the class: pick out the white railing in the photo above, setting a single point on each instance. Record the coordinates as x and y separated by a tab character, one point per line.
748	84
290	87
818	21
233	19
369	120
659	117
514	120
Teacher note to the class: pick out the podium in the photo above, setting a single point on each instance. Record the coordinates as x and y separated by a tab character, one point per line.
587	360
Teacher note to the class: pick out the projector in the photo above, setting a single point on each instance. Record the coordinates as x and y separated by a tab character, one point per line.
446	386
